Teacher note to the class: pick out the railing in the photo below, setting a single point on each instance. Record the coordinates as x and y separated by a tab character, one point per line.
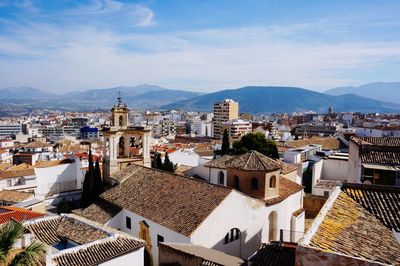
290	236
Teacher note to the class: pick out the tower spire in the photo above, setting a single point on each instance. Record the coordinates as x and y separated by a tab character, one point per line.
119	98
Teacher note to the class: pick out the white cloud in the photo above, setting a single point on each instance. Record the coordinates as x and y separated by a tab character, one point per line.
85	57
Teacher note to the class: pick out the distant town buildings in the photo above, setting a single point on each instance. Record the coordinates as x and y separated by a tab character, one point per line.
223	112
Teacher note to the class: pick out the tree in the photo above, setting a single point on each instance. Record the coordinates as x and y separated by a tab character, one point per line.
168	165
10	233
156	162
98	181
256	141
63	207
88	193
225	143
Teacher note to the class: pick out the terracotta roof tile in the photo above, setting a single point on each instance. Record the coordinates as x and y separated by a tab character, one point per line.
100	211
349	229
327	143
176	202
14	196
286	189
381	201
274	255
98	253
18	214
378	141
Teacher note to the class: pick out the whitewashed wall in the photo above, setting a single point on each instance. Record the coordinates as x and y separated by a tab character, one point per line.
133	258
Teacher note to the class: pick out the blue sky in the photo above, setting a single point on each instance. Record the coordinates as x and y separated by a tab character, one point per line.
198	45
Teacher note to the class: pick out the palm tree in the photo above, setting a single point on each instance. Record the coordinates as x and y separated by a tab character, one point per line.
31	255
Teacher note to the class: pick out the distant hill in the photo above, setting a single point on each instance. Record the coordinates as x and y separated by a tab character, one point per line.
137	97
258	100
24	93
383	91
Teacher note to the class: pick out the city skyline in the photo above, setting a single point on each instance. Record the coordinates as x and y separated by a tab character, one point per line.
207	46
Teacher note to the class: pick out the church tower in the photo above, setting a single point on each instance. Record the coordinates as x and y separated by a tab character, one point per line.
120	137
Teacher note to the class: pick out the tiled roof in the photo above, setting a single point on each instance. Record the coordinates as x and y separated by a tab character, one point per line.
17	167
4	166
251	161
99	252
50	231
378	141
14	174
286	189
381	201
221	162
344	226
254	161
327	143
37	144
327	184
176	202
274	255
100	211
381	157
14	196
18	214
44	164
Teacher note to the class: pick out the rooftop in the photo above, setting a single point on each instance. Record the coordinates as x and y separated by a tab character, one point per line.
209	256
344	226
176	202
14	196
378	141
95	243
18	214
274	255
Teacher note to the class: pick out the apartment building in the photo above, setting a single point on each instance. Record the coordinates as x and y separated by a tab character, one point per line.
224	111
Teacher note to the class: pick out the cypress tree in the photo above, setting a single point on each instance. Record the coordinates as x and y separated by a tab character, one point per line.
98	181
168	165
88	194
225	143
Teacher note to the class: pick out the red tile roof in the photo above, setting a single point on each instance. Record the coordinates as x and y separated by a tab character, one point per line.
17	214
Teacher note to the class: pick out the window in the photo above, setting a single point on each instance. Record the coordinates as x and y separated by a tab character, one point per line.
221	178
160	239
236	182
272	182
121	119
254	183
232	235
128	222
326	193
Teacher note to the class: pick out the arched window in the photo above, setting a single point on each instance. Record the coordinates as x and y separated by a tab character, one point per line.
221	178
272	221
121	120
236	182
232	235
272	182
254	183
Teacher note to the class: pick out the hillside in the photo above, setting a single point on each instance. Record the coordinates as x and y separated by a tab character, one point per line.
137	97
285	99
382	91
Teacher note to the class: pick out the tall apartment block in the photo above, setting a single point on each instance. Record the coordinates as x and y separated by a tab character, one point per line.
224	111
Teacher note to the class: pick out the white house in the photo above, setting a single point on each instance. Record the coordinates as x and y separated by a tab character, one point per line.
73	240
158	206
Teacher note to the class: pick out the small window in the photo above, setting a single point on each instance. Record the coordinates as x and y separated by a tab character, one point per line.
221	178
128	222
326	193
160	239
236	182
254	183
272	182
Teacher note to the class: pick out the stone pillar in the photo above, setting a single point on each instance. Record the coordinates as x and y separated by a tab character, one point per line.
146	149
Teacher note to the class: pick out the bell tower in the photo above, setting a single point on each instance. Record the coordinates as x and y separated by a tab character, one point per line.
119	117
124	144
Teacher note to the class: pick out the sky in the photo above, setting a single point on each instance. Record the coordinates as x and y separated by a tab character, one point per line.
62	45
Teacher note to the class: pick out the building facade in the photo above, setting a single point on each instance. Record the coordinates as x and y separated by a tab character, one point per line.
223	112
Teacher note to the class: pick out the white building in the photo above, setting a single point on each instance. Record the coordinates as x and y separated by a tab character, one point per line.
187	157
237	128
160	206
73	240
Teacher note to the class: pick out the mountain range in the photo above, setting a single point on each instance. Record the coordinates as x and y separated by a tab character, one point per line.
383	91
252	99
256	99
